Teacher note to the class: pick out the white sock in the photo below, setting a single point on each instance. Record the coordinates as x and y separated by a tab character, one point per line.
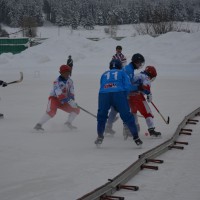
150	123
71	117
136	122
44	119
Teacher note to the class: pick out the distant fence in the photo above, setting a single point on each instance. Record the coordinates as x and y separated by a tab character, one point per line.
97	39
113	185
13	45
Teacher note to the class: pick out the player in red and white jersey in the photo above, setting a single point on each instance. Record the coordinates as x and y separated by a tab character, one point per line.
138	102
120	56
61	97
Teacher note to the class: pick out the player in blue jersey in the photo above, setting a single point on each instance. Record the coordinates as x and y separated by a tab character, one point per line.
112	116
136	63
114	87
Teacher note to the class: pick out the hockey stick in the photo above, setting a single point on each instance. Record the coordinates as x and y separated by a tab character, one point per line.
95	115
17	81
166	121
87	112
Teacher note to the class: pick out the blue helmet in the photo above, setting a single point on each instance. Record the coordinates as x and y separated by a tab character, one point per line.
115	64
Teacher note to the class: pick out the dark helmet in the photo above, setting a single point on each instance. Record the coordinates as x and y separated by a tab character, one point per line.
138	58
119	47
151	71
115	64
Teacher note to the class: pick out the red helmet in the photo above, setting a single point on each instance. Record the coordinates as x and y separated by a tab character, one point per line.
151	71
65	68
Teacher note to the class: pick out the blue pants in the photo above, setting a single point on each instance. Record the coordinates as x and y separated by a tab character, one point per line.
119	101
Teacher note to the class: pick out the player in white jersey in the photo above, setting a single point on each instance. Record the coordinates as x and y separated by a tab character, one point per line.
120	56
61	97
138	102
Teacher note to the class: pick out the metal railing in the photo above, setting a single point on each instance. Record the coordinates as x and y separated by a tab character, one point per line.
114	184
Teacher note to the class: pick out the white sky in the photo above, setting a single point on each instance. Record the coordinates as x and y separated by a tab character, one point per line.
62	164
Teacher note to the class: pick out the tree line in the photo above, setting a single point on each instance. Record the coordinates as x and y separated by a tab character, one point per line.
88	13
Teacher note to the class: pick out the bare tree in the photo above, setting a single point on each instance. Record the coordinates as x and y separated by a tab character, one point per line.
113	26
3	33
158	21
29	26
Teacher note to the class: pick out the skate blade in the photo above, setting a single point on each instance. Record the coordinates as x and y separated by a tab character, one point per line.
107	134
155	137
98	145
37	131
68	129
126	136
139	146
71	128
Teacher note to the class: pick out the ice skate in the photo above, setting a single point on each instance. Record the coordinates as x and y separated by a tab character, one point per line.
99	141
153	133
109	130
38	128
70	126
126	132
138	142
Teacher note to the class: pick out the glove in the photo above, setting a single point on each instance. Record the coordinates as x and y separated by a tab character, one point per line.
140	87
3	84
149	98
72	103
